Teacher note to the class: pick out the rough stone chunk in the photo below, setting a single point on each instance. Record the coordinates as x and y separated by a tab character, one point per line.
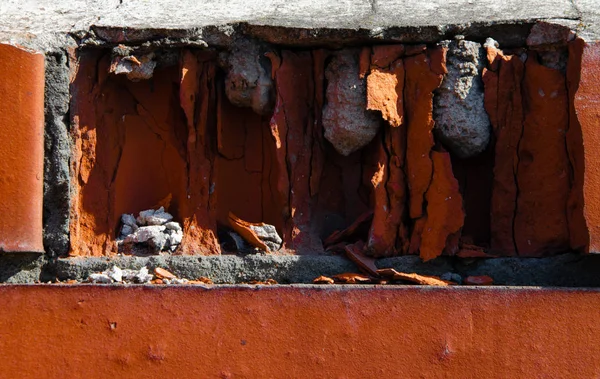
144	276
348	125
159	218
462	124
549	33
134	68
115	273
100	278
260	235
268	234
248	82
128	219
172	225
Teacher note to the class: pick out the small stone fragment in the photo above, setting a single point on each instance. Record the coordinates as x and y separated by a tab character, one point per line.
548	33
115	273
172	225
268	234
134	68
144	276
481	280
248	82
347	123
100	278
260	235
461	123
128	219
129	276
161	273
126	230
141	219
160	217
175	281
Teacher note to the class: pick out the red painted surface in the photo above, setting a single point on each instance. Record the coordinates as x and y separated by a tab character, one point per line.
21	149
325	332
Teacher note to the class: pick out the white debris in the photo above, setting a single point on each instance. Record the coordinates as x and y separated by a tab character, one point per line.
175	281
153	228
115	273
134	67
268	234
128	219
172	225
100	278
131	275
141	219
144	276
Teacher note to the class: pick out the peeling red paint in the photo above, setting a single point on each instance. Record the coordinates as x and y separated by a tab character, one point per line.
21	149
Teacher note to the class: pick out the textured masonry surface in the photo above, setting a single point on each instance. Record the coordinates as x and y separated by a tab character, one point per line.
524	195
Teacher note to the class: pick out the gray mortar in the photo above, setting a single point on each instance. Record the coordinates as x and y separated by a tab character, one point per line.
461	122
21	268
569	270
248	82
57	150
221	269
348	125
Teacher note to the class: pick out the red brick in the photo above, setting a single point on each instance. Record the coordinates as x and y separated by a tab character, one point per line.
587	107
21	149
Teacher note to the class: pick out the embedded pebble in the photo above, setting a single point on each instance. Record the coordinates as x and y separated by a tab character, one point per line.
100	278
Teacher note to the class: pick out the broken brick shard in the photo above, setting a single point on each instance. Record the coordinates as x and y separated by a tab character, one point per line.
588	113
578	230
385	84
419	85
387	235
445	214
504	105
543	171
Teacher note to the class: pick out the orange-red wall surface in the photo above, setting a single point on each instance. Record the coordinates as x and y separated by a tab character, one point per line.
54	331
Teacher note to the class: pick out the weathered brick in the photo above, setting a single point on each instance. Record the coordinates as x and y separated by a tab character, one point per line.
21	149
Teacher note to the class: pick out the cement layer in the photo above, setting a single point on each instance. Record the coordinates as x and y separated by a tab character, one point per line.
44	22
568	270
